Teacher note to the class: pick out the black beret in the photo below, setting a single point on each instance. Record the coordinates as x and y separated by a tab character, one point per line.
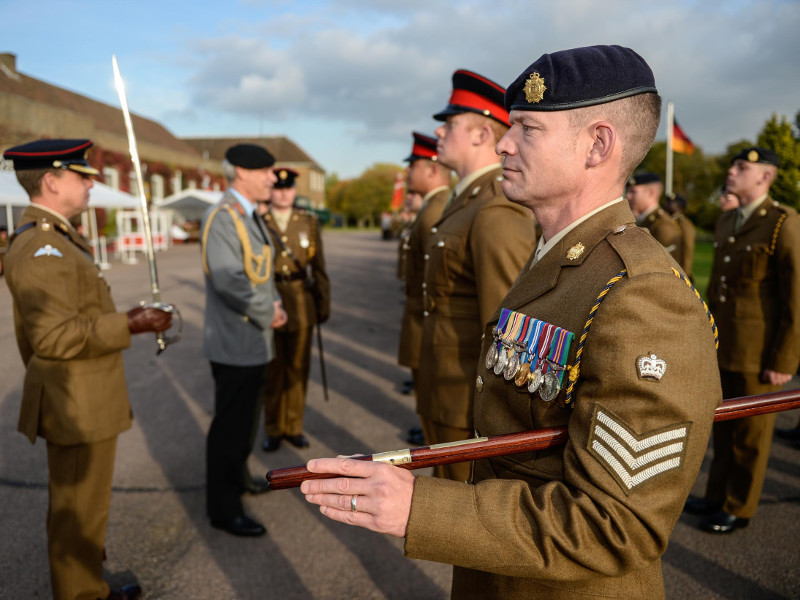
52	154
580	77
249	156
643	178
424	147
477	94
757	154
286	177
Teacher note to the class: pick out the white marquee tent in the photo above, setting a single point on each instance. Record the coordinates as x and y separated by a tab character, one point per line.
190	205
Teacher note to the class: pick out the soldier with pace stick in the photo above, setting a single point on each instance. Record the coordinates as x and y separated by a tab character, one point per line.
591	336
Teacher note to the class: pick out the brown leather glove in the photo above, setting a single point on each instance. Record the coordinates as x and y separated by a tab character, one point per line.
144	319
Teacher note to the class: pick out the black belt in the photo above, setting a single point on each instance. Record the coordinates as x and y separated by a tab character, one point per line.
293	277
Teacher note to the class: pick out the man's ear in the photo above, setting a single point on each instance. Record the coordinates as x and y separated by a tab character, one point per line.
604	138
49	183
769	175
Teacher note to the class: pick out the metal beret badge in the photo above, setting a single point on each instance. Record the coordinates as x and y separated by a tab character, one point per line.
534	88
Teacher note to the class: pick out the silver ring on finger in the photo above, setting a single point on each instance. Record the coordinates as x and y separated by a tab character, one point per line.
353	504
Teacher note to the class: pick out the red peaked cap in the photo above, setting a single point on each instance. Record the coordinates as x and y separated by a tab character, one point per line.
474	93
424	147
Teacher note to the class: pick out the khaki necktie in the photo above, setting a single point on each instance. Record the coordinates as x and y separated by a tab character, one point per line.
740	220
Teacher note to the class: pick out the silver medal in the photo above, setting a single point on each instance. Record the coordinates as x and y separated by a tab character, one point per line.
491	356
550	386
535	381
502	359
510	372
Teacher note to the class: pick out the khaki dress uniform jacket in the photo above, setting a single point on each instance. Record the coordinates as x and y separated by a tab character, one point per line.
688	236
413	262
666	231
286	377
70	338
475	251
754	294
69	335
593	517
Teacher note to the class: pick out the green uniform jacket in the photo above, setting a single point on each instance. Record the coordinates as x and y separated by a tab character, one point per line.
666	231
413	262
69	335
688	235
303	238
754	292
593	517
474	253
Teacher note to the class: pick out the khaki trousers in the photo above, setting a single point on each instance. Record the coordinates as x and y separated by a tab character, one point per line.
80	495
741	450
436	433
286	380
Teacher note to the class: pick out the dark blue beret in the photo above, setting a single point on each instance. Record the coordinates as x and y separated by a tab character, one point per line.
580	77
644	177
52	154
286	177
249	156
758	154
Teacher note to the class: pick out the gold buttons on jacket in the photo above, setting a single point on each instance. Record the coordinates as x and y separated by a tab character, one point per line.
479	383
427	257
440	243
731	239
425	313
722	298
726	259
434	229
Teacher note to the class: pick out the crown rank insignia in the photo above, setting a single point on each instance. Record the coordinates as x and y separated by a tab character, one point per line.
651	367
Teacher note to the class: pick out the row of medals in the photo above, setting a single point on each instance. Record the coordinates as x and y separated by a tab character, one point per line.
507	361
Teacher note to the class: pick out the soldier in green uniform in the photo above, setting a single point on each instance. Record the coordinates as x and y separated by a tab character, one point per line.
70	337
754	294
675	205
303	285
593	517
643	193
426	177
474	252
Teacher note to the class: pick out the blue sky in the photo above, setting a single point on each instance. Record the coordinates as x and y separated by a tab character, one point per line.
349	80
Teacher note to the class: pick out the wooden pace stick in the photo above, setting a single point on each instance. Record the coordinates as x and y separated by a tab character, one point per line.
515	443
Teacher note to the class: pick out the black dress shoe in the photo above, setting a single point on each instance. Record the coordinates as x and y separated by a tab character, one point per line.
271	444
256	486
128	592
298	441
700	506
722	522
240	525
792	435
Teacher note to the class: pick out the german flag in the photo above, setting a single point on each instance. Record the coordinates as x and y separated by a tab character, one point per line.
680	141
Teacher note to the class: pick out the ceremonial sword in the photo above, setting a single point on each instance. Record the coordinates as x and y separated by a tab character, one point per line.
161	339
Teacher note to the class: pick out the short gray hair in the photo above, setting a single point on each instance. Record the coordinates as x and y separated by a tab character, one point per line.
229	170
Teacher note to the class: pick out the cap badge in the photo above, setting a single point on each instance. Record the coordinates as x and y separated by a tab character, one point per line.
574	252
651	367
752	156
534	88
283	174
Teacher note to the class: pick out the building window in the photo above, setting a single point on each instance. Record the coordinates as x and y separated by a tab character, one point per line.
111	177
157	187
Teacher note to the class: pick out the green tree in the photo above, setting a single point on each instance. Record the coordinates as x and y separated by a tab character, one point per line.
777	135
371	194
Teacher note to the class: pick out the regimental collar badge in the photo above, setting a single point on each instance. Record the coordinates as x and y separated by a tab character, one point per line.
534	88
651	367
752	156
633	459
575	252
48	250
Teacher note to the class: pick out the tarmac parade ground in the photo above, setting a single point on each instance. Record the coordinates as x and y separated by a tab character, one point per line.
158	533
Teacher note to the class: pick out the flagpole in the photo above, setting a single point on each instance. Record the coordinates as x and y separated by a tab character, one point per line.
670	123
